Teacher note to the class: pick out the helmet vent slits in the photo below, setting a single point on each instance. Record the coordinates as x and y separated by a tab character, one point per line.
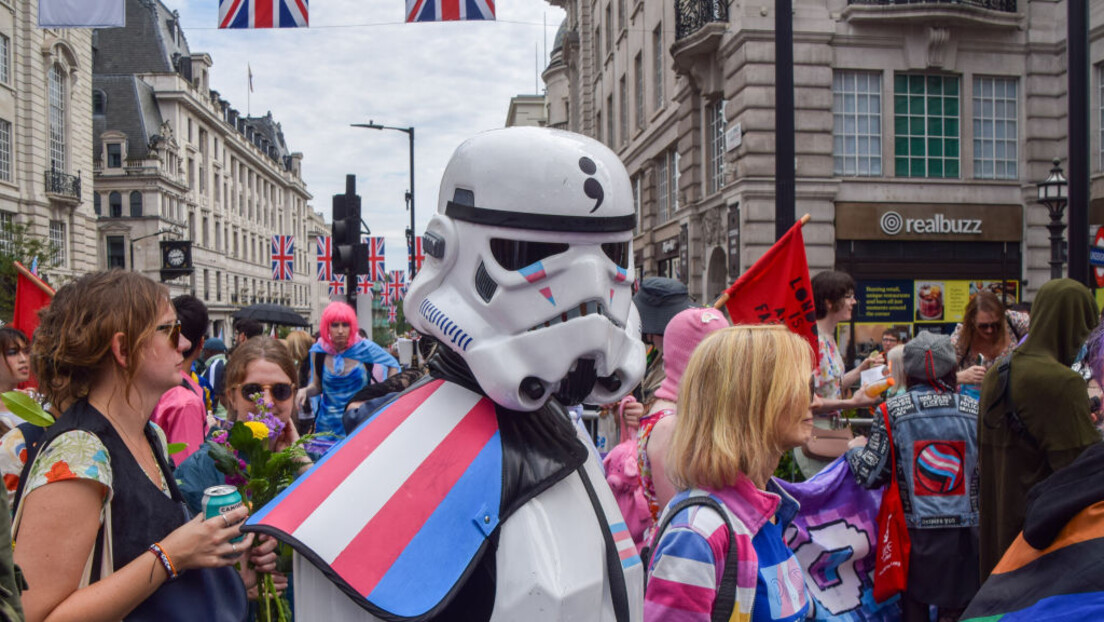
484	284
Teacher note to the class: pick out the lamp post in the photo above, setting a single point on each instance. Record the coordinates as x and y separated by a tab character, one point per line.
1052	194
410	193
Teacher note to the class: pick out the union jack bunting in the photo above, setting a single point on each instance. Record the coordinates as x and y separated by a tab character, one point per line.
392	314
324	254
364	285
263	14
448	10
397	285
418	254
337	285
385	296
283	257
376	256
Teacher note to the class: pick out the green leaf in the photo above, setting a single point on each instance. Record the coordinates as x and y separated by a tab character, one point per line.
24	407
175	448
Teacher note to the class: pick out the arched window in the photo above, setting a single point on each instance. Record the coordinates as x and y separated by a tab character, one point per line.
59	131
115	205
99	102
135	204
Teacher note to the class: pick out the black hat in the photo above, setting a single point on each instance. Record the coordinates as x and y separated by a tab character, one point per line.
659	300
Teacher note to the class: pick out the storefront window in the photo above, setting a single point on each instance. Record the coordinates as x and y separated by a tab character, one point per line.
668	268
995	132
926	132
857	123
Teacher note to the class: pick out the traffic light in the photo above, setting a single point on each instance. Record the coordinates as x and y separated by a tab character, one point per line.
346	231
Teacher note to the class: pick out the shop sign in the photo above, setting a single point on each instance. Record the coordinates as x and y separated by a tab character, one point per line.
919	222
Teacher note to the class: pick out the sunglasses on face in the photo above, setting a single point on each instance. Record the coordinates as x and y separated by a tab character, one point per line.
988	326
173	329
280	391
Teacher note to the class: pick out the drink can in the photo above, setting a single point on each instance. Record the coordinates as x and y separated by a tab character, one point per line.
218	500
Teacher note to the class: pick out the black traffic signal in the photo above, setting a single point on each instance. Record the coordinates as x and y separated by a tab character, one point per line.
349	254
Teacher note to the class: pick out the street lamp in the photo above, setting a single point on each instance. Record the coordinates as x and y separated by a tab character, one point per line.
410	194
1052	194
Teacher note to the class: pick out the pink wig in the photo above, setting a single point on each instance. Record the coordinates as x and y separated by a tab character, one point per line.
338	312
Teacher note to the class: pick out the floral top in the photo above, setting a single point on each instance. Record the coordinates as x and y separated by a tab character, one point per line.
13	455
79	454
828	377
1017	325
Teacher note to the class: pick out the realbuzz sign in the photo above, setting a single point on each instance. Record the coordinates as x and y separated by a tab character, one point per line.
892	224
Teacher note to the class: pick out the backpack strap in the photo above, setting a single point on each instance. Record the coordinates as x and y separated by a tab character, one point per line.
725	603
1004	394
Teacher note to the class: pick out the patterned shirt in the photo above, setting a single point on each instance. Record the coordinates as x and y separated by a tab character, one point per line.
691	555
79	454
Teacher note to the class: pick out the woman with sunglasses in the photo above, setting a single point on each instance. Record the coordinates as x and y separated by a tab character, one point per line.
101	531
987	332
261	366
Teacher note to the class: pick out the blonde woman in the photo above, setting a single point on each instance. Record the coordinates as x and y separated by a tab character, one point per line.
744	400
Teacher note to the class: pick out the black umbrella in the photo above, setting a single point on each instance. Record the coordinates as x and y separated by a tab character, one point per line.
271	314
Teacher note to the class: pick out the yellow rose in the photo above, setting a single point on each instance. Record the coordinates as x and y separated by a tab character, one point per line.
260	430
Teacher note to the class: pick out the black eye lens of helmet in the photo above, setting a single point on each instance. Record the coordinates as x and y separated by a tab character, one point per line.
618	252
517	254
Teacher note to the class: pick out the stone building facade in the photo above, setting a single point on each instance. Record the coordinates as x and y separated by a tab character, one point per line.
921	131
174	160
46	137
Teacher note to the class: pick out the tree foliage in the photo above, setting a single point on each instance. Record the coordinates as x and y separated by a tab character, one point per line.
18	244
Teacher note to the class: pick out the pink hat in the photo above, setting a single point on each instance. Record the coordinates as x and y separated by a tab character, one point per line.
684	332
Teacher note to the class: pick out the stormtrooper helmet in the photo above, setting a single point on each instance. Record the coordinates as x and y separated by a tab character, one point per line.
528	269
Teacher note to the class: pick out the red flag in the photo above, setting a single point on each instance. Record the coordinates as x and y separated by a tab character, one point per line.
776	290
31	295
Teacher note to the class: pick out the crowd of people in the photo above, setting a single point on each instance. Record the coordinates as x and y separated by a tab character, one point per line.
479	498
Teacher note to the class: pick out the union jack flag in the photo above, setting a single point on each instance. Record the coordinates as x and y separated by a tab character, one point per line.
397	284
263	13
392	314
448	10
324	252
419	255
375	259
337	285
364	285
283	257
385	296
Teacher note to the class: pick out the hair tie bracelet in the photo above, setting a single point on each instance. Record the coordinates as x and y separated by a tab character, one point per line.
165	560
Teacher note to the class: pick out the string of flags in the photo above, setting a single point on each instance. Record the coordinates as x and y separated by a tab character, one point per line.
251	14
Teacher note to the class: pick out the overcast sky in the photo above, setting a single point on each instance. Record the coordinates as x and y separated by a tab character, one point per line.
357	62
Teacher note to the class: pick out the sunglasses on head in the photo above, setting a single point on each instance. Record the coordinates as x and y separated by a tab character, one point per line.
280	391
988	325
174	332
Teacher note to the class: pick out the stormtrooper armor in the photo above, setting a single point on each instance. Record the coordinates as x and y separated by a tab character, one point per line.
472	496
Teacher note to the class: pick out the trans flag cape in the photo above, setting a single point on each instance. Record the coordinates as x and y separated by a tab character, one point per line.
833	538
398	512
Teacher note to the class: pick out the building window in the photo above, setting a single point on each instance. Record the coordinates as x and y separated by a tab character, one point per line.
97	203
657	59
622	18
58	242
99	102
666	185
668	268
857	123
609	122
206	284
115	205
995	132
716	145
1100	86
135	204
609	29
114	155
638	78
925	123
5	59
218	286
5	150
623	93
7	232
638	187
206	239
58	123
116	256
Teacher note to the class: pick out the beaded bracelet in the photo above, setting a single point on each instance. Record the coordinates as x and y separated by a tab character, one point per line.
165	560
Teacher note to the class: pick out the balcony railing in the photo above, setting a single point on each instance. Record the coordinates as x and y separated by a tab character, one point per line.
63	185
692	15
1004	6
